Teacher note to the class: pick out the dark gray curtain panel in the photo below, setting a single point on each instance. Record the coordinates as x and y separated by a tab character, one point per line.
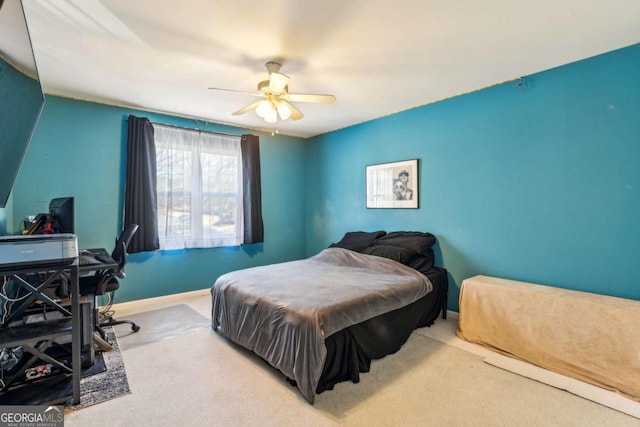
252	201
140	199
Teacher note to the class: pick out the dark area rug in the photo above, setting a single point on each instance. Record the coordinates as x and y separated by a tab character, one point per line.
108	384
104	380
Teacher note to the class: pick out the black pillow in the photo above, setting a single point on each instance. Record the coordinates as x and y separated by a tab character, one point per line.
423	263
415	240
357	240
397	253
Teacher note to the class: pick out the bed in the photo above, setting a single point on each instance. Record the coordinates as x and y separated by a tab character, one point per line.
321	320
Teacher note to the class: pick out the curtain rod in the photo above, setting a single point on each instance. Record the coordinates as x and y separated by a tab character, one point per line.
194	130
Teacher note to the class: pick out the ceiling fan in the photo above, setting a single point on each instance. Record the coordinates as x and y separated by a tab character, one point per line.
276	99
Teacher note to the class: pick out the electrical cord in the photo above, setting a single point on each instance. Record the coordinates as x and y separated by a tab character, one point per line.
4	295
106	310
7	299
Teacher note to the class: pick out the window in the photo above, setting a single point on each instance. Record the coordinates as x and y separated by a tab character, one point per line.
199	186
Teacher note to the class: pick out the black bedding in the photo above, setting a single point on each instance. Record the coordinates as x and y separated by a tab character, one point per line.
350	351
277	318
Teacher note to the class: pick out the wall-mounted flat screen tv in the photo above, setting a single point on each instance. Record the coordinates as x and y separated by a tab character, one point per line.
21	96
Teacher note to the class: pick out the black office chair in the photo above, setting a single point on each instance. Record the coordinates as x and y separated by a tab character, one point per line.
105	281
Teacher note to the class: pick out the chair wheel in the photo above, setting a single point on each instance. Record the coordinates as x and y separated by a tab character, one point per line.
135	328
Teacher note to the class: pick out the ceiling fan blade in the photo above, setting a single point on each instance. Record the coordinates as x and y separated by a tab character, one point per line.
309	97
248	108
236	91
277	82
295	113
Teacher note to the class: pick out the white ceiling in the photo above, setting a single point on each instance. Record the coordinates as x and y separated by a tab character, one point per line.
377	57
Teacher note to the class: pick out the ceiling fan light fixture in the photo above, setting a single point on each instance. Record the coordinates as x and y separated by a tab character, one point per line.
277	101
267	111
283	111
272	116
264	109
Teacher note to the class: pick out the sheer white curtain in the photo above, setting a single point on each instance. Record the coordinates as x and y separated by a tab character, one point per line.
199	188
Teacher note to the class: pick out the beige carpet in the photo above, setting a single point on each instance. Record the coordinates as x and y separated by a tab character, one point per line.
445	332
199	378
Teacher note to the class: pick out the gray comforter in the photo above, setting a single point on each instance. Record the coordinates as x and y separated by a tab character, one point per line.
283	312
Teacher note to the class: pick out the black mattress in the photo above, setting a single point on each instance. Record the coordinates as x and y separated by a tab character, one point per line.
350	351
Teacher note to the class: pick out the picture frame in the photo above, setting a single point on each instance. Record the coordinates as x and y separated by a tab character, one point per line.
393	185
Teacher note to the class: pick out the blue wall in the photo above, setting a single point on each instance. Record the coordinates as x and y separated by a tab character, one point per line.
79	150
539	182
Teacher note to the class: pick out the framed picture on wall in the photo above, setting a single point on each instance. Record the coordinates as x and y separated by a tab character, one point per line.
393	185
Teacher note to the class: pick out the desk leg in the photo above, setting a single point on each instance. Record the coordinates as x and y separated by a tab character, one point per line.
87	314
76	334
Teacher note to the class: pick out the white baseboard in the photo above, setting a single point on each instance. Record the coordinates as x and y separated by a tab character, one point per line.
588	391
163	299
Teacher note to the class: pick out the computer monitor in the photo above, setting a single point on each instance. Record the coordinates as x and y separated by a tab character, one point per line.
62	210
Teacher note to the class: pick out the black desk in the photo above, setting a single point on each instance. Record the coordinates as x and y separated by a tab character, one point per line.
92	267
36	337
